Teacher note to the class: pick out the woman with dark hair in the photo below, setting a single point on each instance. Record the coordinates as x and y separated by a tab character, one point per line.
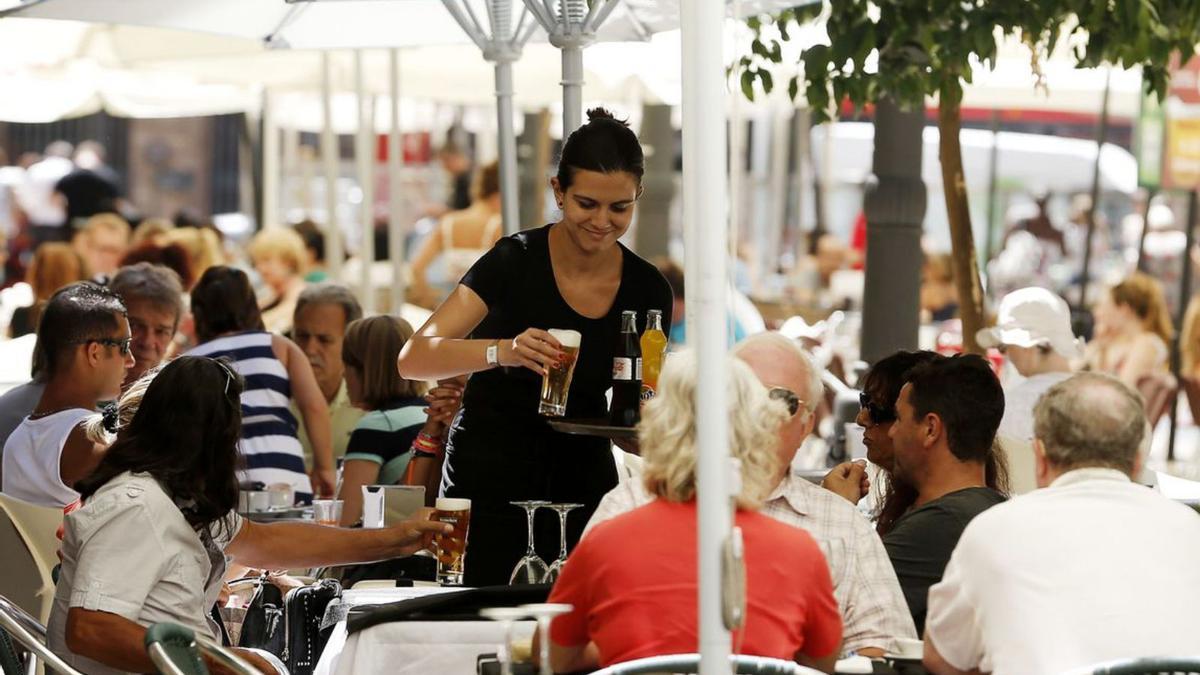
571	274
158	519
880	389
228	324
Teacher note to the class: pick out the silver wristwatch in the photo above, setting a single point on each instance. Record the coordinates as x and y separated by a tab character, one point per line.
493	354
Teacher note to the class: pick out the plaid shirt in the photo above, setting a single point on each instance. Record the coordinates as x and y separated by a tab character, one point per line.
864	583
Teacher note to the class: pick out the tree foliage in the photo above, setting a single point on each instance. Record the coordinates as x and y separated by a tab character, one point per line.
906	50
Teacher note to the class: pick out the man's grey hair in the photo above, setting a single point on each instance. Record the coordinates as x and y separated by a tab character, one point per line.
157	284
1090	419
330	294
813	389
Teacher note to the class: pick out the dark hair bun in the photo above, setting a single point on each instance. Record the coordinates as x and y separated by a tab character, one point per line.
598	114
605	144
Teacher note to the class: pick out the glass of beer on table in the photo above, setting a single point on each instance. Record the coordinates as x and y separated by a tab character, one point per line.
451	547
556	383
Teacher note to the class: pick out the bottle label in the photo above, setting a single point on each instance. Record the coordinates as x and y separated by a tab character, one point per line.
623	368
638	367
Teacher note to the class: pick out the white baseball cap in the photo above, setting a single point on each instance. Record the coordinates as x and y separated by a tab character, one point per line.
1033	316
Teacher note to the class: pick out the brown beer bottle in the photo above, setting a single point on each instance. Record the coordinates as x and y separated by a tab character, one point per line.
626	374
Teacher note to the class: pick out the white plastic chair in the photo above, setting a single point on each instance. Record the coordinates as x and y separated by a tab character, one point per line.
28	554
31	634
690	663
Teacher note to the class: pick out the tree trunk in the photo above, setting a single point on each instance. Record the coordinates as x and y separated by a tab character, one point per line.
954	186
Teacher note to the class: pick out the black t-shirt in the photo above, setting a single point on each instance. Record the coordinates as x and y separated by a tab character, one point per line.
89	192
921	542
516	281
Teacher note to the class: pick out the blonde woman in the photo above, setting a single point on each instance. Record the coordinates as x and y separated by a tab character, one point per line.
1189	341
1132	330
281	260
632	579
203	247
54	265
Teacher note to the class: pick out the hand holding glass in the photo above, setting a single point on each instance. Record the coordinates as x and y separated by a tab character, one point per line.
556	383
452	547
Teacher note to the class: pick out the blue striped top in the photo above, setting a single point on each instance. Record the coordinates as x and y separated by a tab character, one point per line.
269	444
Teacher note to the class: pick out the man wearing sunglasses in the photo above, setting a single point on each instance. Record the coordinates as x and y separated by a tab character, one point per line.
865	584
84	343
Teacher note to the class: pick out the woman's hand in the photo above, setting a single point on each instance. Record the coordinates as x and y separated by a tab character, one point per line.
849	480
534	349
324	482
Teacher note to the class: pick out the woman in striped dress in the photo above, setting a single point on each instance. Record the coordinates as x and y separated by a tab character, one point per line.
228	324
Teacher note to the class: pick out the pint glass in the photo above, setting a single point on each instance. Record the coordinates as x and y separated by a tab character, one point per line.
453	546
556	383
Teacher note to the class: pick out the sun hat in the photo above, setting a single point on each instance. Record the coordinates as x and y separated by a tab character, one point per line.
1033	316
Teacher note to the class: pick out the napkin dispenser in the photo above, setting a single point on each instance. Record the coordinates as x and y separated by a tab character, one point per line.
385	505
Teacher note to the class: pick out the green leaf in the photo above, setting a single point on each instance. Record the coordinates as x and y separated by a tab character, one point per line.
759	49
768	82
748	84
793	87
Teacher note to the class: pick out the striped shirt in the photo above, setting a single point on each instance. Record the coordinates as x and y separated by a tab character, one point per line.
269	444
385	437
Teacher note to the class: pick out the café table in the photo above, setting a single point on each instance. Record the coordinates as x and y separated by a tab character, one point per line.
402	647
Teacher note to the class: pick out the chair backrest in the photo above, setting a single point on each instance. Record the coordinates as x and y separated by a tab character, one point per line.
173	650
690	663
1191	387
31	634
28	554
1165	665
1158	392
177	650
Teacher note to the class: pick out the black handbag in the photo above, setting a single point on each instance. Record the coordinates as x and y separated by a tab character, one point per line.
264	628
304	608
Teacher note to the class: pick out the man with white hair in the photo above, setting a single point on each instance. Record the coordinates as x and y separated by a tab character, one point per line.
1091	568
1033	329
872	606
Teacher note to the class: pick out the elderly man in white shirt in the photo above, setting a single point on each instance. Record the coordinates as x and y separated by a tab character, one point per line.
1092	568
873	608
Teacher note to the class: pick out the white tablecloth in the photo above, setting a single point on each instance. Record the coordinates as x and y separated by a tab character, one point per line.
441	647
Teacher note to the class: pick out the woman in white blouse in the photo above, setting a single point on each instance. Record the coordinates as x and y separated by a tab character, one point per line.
158	523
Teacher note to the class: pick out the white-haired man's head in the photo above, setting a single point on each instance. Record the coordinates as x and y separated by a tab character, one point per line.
782	364
1088	420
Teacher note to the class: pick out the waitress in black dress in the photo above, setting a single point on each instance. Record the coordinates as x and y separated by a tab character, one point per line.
572	274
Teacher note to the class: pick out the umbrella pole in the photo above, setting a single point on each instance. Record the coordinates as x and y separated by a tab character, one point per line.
366	182
1185	292
572	84
507	136
270	164
395	166
1141	253
706	219
334	254
1101	133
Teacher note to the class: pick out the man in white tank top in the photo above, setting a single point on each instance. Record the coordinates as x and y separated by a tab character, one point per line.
84	342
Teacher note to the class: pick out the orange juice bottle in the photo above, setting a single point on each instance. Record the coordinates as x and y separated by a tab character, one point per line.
654	346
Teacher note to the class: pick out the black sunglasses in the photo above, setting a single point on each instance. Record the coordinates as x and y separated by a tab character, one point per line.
877	413
787	396
121	343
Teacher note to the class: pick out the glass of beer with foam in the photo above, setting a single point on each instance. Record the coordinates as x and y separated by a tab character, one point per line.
452	547
556	383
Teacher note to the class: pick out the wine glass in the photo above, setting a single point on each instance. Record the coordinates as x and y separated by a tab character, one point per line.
531	569
544	613
506	616
557	565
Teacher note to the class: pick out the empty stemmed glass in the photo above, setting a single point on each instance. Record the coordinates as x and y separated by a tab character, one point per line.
506	616
531	569
544	612
557	565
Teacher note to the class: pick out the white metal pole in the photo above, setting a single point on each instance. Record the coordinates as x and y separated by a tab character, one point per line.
572	84
395	166
330	158
270	164
364	154
509	192
706	212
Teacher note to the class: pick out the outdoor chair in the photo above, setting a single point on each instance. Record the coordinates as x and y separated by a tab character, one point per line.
1158	393
18	625
690	663
1164	665
1191	387
28	554
177	650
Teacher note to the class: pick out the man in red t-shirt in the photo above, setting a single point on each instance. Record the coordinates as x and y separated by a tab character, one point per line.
633	580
